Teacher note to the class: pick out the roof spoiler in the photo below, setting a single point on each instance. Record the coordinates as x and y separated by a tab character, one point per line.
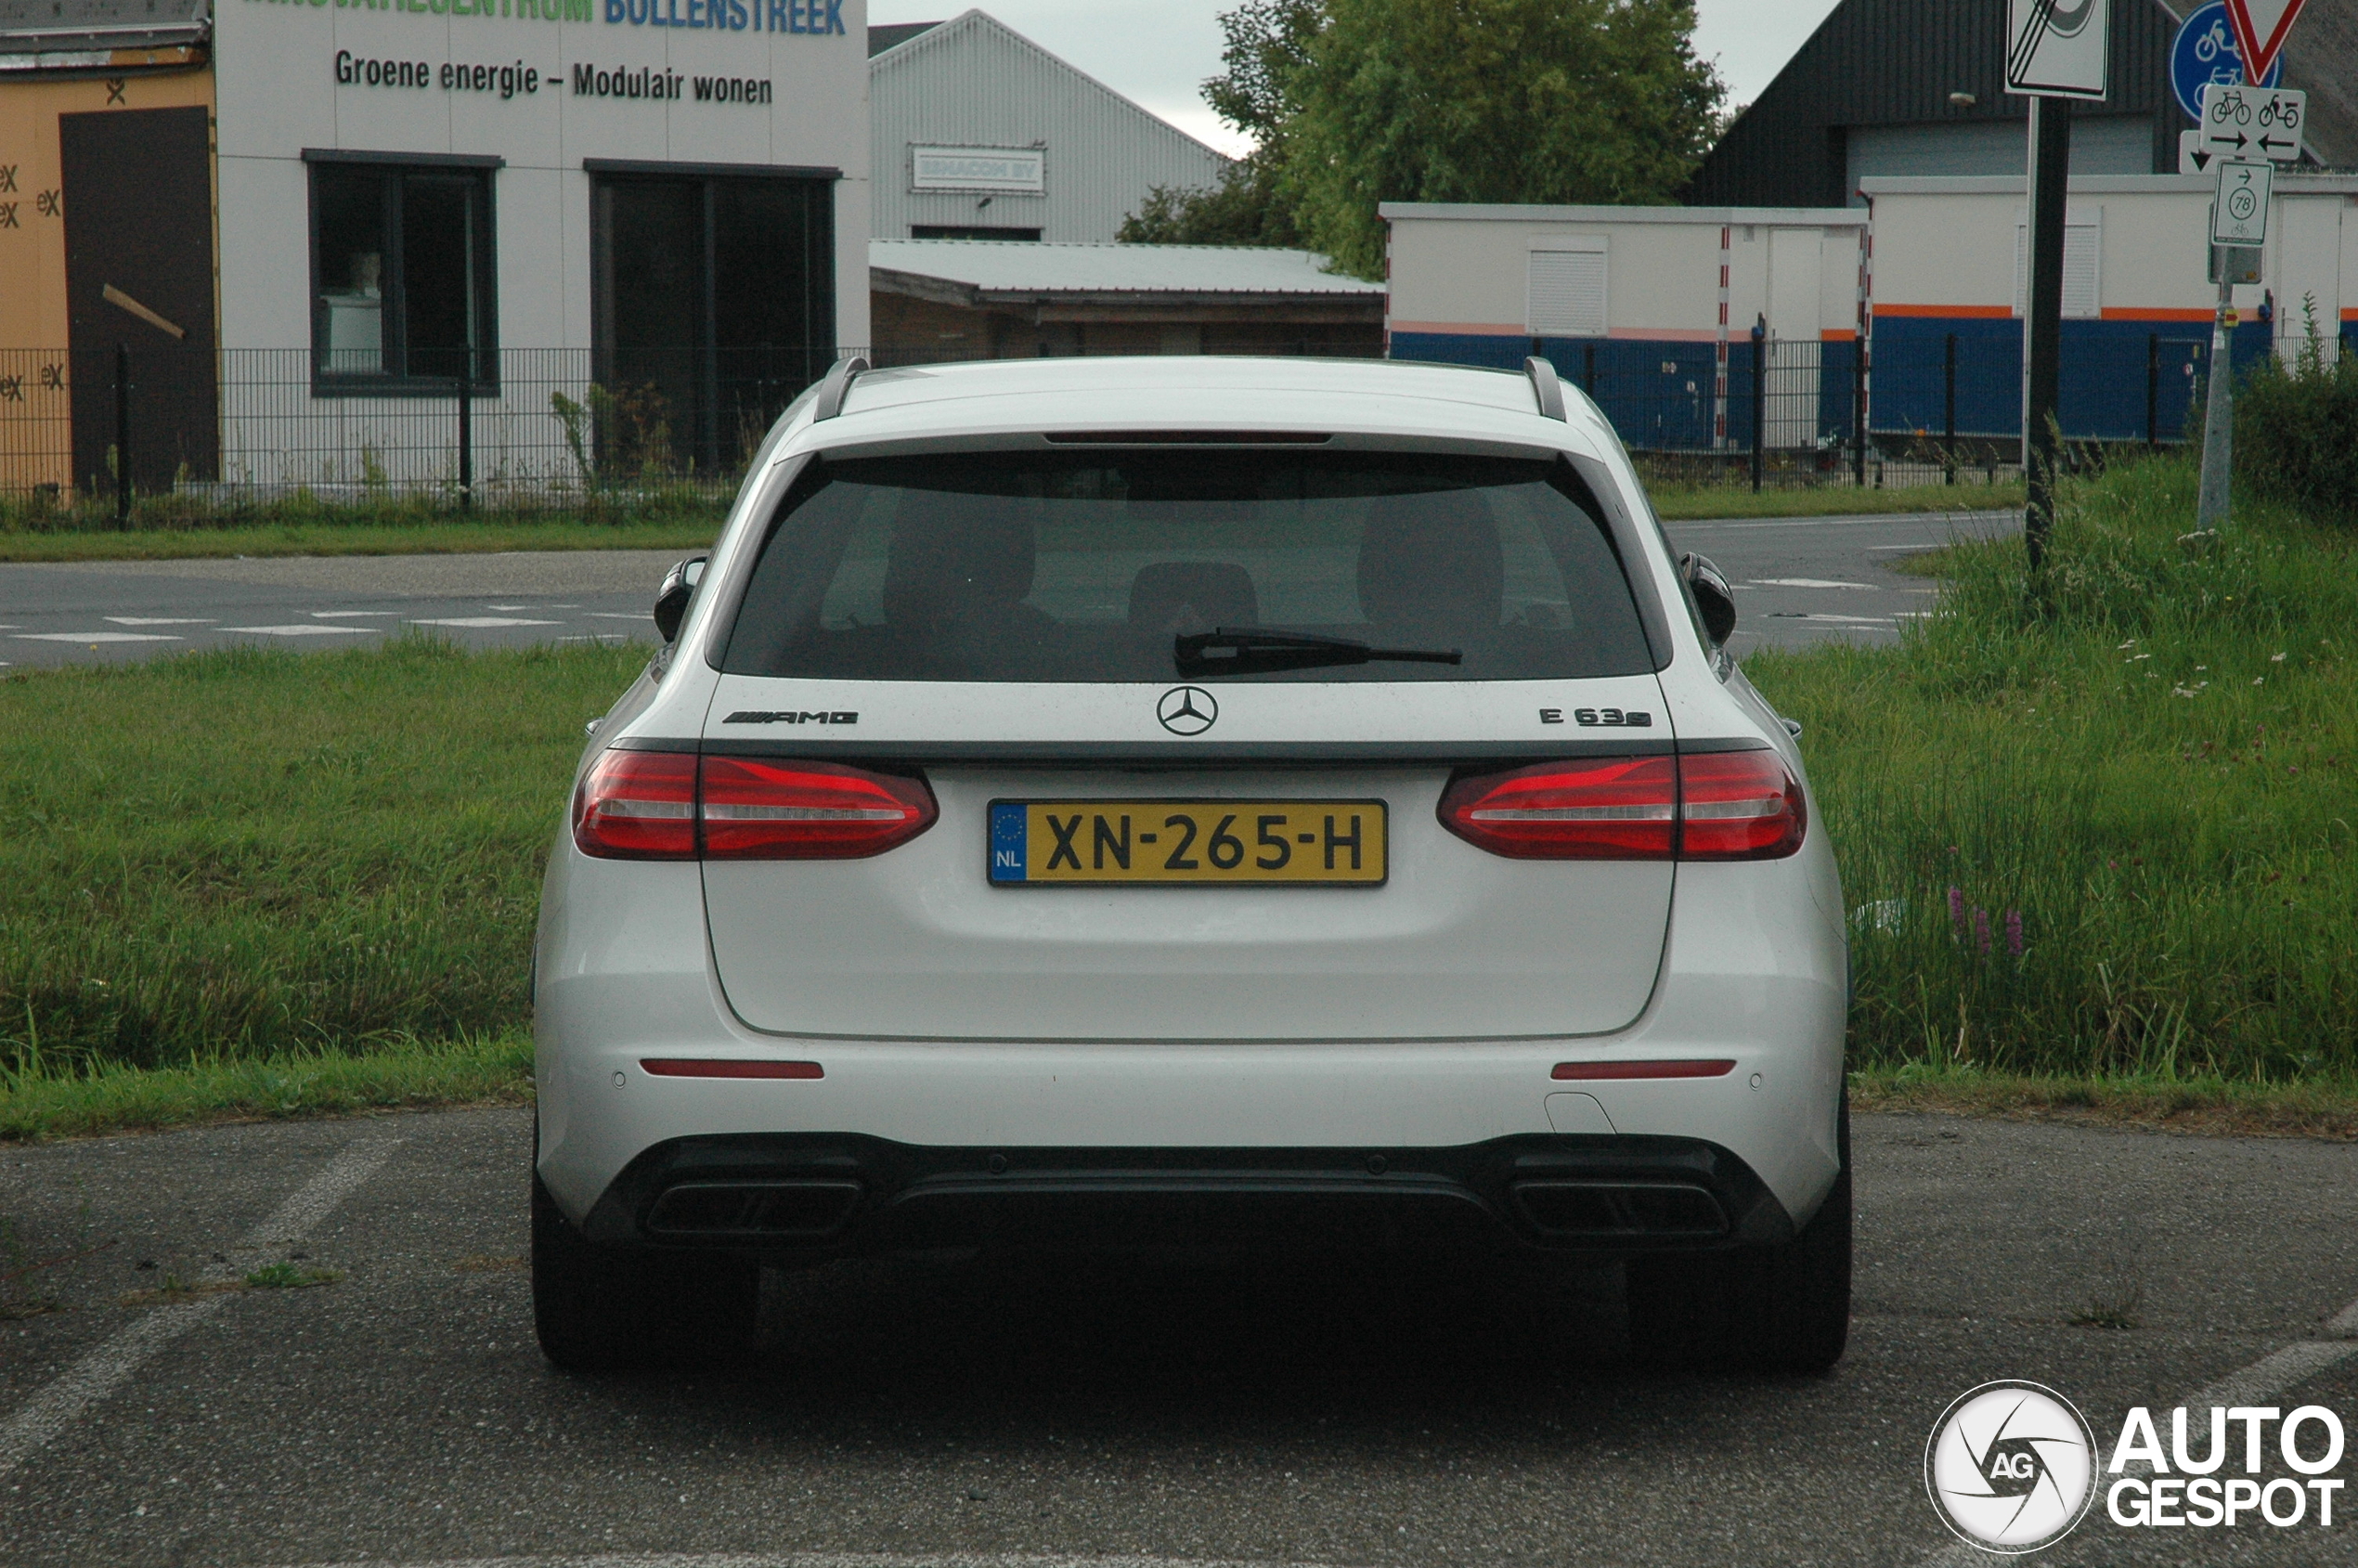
835	385
1544	385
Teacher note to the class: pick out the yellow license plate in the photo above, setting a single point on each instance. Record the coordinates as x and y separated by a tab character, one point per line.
1260	843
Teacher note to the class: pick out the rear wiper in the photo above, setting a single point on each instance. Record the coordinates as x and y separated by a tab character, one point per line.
1227	651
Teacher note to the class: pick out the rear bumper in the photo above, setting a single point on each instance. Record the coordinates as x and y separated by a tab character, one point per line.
825	1195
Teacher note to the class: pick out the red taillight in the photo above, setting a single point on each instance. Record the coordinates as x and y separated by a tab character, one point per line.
1621	809
647	806
1719	806
638	806
756	809
1739	806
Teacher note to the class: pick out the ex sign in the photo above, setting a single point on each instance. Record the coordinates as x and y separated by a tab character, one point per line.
2239	212
2252	123
2057	48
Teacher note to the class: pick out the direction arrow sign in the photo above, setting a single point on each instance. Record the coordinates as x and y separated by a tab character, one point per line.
2245	124
2239	212
2260	26
2057	48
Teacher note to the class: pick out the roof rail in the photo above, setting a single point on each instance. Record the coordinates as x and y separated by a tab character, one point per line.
1544	385
835	385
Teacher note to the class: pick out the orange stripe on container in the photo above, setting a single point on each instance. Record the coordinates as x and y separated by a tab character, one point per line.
1461	329
2154	313
1978	312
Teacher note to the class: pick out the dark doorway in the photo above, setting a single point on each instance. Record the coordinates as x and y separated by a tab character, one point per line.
139	200
713	299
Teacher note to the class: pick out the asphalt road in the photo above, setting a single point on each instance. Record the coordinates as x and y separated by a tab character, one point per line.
1330	1413
1798	580
1812	580
108	612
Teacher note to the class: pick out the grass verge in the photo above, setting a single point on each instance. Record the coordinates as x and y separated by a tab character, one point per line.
337	538
2212	1106
94	1096
1691	503
2095	822
248	853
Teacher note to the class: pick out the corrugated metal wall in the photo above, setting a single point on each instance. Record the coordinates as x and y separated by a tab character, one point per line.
1895	62
973	82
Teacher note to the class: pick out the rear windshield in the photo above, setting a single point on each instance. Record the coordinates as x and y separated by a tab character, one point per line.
1086	566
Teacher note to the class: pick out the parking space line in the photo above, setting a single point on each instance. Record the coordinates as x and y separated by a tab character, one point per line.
827	1560
103	1370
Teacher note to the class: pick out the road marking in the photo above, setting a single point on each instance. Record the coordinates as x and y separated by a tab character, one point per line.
103	1370
1807	582
513	608
160	621
1874	520
303	628
96	637
824	1559
482	623
2269	1376
618	616
350	614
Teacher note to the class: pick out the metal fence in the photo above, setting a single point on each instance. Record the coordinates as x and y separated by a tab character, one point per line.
541	426
1919	407
534	425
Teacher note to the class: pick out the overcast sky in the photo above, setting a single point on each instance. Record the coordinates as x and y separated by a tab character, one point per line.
1158	51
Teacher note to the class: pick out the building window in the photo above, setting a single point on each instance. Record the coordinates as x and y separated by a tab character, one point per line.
402	298
1565	288
712	303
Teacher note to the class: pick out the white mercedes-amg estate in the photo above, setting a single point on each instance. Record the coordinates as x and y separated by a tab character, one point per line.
1203	802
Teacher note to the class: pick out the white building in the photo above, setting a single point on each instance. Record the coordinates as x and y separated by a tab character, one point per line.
980	134
1645	306
1649	308
668	198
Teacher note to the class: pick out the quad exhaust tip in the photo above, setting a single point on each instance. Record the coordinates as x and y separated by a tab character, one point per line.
802	1209
1611	1209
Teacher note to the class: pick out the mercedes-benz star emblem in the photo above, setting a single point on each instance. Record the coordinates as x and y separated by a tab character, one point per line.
1186	710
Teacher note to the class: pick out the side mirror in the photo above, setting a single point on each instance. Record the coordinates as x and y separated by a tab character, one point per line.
671	599
1714	599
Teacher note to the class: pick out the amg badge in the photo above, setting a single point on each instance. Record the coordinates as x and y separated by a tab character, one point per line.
763	715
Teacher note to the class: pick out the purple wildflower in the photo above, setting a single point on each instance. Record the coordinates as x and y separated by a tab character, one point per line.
1981	929
2014	932
1957	912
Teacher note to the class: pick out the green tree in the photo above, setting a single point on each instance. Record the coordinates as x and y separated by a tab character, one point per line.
1481	101
1268	42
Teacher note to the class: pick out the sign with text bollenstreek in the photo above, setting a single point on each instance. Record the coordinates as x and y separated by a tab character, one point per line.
820	17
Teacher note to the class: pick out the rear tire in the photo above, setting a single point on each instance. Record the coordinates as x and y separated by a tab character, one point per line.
614	1309
1756	1309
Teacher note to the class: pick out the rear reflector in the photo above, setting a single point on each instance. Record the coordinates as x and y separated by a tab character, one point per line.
756	810
722	1066
1590	1072
638	806
1718	806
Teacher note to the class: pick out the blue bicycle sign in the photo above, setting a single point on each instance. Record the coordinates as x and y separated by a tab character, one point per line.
2204	54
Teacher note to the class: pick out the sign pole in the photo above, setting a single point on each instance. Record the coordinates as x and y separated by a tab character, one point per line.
2042	317
2219	413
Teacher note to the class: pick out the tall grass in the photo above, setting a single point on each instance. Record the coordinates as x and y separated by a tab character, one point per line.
250	853
2100	821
